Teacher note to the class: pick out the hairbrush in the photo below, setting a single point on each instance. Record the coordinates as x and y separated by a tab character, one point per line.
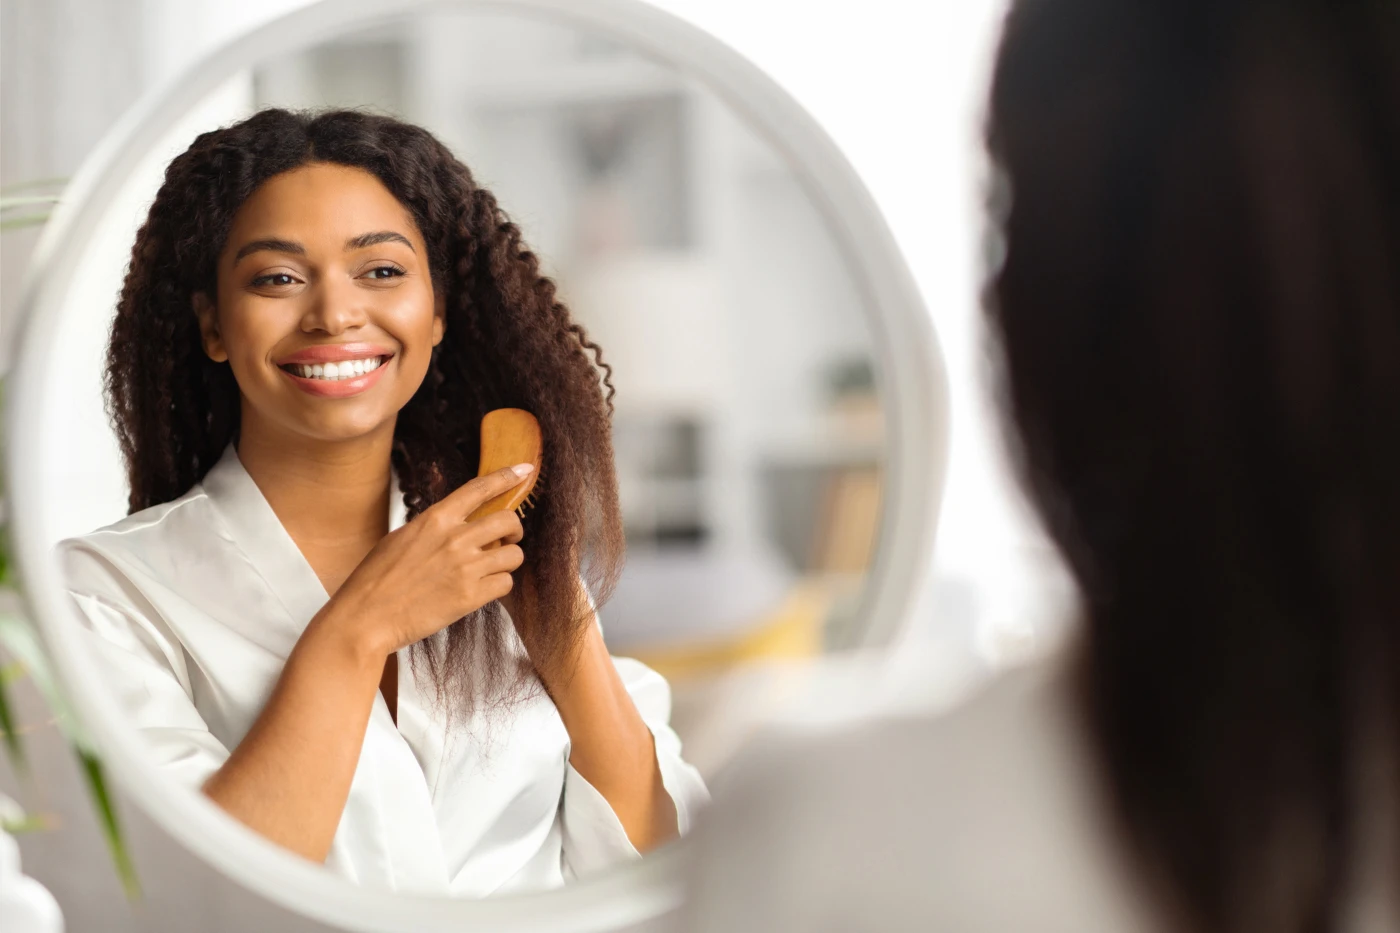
510	436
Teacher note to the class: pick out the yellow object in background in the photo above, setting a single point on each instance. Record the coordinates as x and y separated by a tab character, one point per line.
791	631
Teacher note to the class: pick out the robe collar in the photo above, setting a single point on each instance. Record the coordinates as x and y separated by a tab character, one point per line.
259	534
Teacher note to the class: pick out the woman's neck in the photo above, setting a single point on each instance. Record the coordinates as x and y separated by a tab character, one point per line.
331	496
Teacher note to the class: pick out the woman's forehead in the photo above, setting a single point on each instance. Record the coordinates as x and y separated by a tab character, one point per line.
321	206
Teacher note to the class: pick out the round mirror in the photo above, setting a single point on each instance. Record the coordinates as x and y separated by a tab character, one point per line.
776	419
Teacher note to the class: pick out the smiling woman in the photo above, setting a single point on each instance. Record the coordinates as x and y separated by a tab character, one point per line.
299	614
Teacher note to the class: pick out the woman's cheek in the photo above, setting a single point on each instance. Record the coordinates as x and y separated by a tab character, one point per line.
414	374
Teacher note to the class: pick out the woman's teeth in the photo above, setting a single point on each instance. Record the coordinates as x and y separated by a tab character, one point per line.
330	372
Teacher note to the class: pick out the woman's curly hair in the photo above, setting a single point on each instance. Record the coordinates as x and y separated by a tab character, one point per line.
509	343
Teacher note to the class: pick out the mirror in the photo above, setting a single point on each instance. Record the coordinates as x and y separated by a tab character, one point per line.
777	396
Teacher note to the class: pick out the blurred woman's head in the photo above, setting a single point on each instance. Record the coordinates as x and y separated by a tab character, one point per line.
1197	306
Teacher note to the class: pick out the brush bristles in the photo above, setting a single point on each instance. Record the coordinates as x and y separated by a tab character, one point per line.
530	498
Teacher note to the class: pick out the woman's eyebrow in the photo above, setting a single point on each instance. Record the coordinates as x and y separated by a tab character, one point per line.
275	245
379	236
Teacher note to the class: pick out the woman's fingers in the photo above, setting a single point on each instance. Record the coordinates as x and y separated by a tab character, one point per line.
502	559
516	533
498	526
464	500
498	584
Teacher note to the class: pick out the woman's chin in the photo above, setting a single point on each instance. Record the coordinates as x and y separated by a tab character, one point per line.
346	430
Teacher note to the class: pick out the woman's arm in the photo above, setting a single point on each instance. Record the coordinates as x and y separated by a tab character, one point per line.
611	745
290	776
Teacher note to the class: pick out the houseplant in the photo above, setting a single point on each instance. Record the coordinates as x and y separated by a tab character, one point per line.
22	655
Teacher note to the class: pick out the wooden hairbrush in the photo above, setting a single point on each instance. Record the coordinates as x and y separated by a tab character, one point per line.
510	436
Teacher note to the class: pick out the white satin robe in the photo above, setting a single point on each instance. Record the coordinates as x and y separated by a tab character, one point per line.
193	607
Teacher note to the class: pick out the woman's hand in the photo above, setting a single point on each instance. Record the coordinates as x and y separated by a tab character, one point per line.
435	569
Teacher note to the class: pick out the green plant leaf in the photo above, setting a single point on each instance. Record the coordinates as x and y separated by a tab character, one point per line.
111	828
30	823
20	641
7	724
10	203
36	220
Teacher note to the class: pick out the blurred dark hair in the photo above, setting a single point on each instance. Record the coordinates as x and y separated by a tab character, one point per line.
1198	317
509	343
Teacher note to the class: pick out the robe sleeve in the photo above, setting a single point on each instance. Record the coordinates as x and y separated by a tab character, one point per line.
594	838
144	666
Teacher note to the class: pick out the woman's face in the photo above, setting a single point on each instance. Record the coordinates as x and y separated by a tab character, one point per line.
325	308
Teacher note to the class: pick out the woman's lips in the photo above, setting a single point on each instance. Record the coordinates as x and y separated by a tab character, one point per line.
337	388
336	353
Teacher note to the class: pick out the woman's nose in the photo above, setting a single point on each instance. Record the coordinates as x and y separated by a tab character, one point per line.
334	309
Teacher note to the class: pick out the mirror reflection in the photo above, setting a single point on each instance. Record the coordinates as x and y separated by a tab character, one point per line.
363	283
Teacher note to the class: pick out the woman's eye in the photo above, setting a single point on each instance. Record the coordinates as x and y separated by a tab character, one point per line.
392	271
267	279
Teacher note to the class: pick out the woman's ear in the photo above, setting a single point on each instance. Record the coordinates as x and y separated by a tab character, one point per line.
439	318
208	317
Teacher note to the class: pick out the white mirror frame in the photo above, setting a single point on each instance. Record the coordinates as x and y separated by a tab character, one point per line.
910	378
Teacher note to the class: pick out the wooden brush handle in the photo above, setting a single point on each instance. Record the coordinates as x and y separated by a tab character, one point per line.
509	436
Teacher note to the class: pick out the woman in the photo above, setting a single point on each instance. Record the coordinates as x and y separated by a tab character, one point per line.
319	310
1199	314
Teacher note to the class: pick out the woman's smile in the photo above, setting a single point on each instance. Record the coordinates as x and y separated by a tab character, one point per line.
336	370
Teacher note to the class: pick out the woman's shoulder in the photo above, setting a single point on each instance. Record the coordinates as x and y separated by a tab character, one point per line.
147	542
983	812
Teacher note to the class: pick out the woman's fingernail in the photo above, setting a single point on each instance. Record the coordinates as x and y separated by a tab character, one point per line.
523	469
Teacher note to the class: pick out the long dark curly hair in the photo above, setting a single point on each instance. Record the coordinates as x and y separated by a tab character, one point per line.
509	342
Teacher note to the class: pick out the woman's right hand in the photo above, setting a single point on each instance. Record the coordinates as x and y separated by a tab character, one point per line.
432	571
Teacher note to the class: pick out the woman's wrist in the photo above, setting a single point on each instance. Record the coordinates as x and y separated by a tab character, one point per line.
581	656
339	630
